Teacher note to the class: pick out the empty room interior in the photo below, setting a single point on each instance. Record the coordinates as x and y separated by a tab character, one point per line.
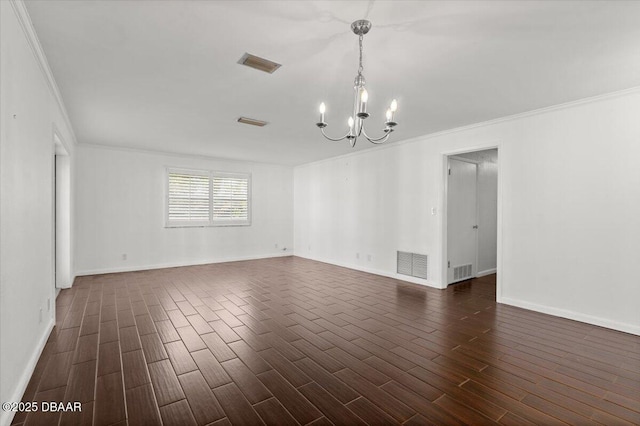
319	212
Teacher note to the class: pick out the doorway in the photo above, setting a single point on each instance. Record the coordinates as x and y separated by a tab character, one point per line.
472	215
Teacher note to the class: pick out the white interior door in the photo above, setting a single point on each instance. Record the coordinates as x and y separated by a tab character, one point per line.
461	221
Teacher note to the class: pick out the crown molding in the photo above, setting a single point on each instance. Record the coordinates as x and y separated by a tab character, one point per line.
158	152
24	19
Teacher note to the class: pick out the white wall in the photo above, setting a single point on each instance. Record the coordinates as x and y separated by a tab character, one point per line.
570	189
371	204
29	114
120	210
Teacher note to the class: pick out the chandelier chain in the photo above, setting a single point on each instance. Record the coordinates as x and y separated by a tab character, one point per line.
360	68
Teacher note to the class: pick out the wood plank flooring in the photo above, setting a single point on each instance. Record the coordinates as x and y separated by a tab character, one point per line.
290	341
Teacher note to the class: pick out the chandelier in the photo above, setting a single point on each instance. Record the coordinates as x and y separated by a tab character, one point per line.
356	121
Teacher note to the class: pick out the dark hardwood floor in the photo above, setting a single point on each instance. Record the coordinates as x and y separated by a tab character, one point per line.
290	341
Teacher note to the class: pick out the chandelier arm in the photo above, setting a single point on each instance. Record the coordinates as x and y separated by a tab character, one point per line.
333	139
379	141
376	140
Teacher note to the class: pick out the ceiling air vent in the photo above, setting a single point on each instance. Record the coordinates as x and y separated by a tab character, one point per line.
252	121
259	63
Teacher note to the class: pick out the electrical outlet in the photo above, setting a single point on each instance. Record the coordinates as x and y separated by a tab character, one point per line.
124	256
357	255
276	245
368	258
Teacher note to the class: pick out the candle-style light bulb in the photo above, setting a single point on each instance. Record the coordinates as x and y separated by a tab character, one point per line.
389	114
350	123
362	109
323	108
393	108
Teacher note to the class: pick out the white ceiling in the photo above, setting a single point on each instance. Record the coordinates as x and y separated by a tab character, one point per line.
163	75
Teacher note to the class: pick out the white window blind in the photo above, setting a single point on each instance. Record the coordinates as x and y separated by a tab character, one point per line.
230	198
204	198
188	197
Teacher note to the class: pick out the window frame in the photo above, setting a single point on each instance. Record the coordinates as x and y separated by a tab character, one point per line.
211	174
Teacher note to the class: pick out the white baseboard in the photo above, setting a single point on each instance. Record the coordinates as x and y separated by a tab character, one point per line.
133	268
576	316
394	275
69	284
486	272
7	416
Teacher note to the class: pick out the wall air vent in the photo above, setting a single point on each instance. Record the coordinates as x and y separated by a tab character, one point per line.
412	264
462	272
259	63
252	121
404	262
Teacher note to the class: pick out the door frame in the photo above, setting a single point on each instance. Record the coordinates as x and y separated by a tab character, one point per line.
444	201
59	149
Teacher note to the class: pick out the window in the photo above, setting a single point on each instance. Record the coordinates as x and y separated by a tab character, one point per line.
230	200
204	198
188	201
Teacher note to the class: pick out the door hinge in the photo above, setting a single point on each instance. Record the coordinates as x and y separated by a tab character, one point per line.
448	264
449	171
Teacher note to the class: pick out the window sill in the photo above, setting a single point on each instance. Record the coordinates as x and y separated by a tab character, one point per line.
205	225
